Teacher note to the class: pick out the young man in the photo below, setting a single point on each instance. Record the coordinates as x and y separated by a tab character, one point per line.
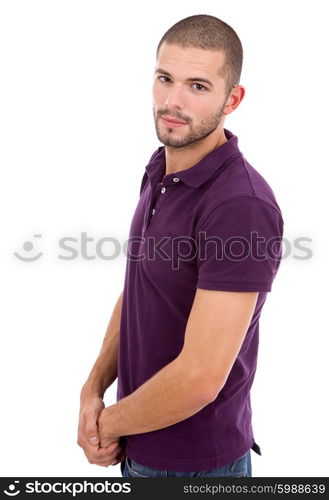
204	248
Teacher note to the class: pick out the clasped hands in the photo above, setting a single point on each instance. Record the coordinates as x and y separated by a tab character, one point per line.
100	447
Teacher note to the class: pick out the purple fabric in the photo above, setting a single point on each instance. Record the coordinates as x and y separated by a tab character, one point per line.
224	199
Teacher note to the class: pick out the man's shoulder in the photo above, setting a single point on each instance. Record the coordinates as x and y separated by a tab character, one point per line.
239	179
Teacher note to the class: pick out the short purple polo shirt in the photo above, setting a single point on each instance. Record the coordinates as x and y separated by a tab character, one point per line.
222	198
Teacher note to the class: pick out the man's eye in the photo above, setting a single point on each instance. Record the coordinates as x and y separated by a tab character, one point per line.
200	86
159	77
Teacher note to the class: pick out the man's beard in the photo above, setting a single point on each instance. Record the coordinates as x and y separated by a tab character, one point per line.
194	136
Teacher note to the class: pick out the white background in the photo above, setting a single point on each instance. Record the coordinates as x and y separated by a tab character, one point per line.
76	133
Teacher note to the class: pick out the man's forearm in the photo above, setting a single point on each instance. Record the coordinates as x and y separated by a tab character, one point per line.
104	371
171	395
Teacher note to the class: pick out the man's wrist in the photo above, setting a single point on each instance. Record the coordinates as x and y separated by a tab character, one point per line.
91	390
106	425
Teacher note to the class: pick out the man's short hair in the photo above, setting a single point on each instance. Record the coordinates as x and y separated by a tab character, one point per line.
207	32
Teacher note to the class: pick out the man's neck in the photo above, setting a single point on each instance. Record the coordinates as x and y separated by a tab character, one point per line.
182	158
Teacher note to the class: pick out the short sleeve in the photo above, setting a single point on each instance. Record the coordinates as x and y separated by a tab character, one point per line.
239	245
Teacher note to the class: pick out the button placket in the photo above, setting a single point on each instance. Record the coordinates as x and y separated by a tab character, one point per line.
158	200
163	190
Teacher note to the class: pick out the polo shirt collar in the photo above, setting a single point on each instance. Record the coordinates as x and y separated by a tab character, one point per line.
197	174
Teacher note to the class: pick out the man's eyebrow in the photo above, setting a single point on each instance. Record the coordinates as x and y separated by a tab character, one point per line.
195	79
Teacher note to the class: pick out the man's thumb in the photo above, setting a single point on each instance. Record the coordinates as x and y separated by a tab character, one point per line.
92	435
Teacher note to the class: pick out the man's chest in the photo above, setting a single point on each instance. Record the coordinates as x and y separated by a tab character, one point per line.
161	234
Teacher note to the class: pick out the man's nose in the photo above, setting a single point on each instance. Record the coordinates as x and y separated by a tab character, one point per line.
175	98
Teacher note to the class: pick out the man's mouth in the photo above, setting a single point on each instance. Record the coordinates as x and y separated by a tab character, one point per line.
172	122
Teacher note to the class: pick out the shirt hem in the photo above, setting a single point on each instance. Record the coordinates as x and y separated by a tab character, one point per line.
186	464
234	287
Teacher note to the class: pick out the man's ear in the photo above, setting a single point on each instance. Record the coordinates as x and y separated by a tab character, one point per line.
234	99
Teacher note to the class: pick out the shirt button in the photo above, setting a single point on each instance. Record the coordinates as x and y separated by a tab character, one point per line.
175	179
163	190
153	211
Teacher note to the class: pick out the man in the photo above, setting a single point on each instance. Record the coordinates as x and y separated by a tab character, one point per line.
204	248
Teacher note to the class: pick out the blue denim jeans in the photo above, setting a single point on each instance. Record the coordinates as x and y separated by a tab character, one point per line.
239	467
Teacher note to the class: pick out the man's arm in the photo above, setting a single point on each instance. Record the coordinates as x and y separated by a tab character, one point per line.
215	330
102	375
104	371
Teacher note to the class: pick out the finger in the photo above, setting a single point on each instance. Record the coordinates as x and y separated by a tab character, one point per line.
88	458
108	461
81	426
106	442
100	454
91	429
109	457
109	450
120	457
